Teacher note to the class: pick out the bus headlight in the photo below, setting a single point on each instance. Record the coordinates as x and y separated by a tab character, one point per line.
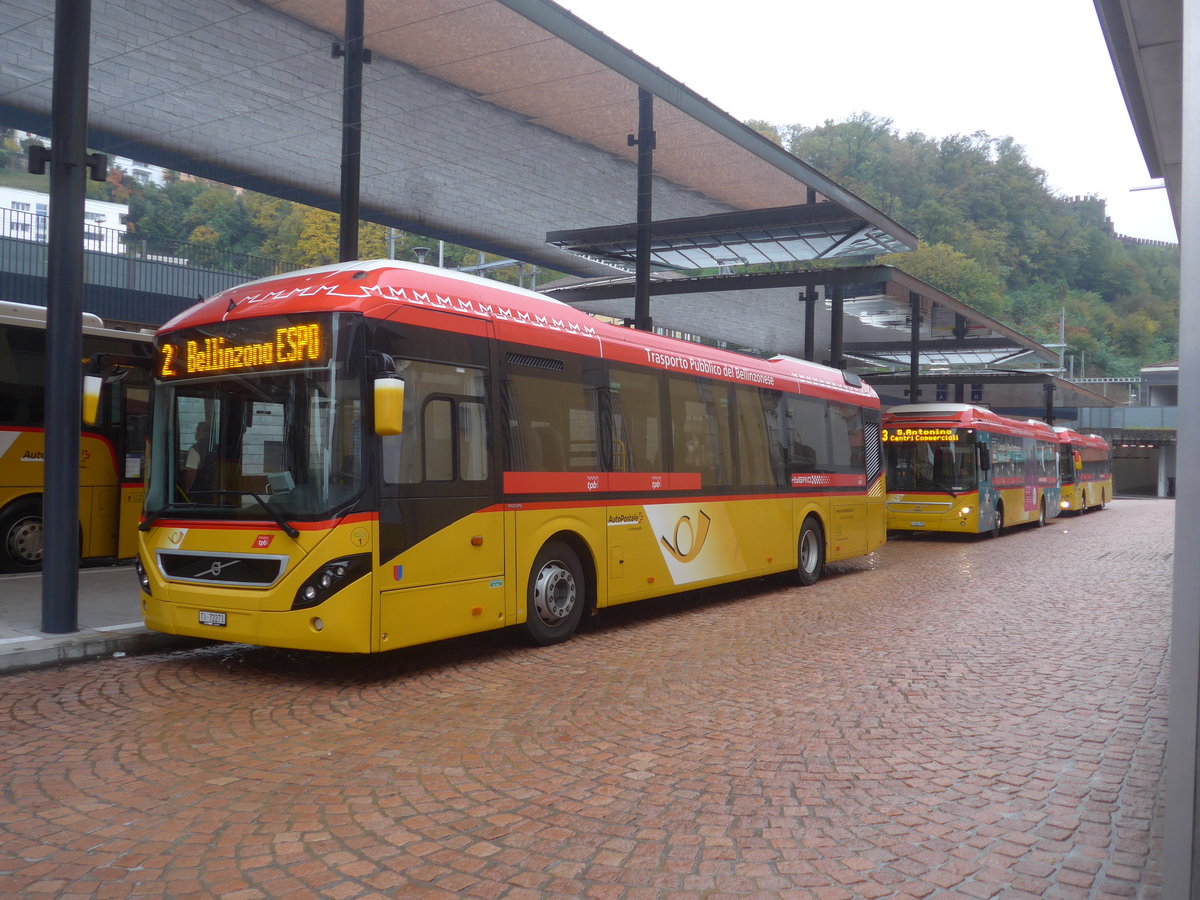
331	578
142	577
964	512
1064	504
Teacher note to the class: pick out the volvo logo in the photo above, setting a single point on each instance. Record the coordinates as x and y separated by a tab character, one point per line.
217	567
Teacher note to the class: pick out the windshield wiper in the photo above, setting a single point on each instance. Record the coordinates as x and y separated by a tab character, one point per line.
276	517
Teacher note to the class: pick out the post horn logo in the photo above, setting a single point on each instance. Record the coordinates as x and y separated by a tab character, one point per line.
688	541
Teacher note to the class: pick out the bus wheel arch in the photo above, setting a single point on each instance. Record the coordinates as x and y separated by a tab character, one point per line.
997	520
810	551
560	589
22	535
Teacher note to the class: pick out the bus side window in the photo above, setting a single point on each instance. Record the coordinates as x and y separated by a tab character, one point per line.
807	444
635	405
552	420
445	437
700	429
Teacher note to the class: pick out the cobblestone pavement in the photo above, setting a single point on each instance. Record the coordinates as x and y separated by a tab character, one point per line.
961	718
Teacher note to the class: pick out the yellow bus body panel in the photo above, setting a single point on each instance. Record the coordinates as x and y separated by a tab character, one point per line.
130	514
23	472
1014	502
921	511
450	584
263	615
453	583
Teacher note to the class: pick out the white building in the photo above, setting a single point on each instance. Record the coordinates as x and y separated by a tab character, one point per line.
139	171
25	215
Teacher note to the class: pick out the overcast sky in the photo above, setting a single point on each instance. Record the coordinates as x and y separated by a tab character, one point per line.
1035	70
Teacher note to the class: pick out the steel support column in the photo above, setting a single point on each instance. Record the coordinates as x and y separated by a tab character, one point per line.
810	324
960	334
352	50
1181	784
644	141
1048	387
914	348
64	310
837	305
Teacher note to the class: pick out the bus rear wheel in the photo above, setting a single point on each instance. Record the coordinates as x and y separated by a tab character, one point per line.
21	537
556	596
810	552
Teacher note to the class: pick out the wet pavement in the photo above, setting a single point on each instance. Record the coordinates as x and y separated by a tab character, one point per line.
945	718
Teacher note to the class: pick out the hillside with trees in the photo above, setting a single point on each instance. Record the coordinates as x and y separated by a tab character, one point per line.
992	234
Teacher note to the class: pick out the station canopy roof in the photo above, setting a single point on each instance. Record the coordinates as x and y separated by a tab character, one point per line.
1145	41
487	123
765	313
498	124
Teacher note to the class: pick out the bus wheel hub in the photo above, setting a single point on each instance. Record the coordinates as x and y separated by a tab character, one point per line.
554	593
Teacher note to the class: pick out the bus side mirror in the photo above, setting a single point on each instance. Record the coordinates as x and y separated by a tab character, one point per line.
985	457
389	404
1078	459
92	385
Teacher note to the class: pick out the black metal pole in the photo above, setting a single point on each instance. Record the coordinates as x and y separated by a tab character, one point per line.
810	324
1048	387
645	188
835	325
960	333
64	310
351	131
914	348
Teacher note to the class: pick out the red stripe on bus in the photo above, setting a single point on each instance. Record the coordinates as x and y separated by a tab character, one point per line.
259	525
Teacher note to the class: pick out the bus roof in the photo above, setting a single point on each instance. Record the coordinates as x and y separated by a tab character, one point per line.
455	301
964	415
1070	436
29	315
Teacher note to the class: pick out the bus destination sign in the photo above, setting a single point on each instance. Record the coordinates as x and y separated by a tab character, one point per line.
272	346
919	435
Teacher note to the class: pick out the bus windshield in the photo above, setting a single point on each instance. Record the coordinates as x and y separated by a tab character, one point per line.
931	466
282	444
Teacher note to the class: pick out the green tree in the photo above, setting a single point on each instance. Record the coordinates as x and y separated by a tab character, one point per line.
982	197
956	274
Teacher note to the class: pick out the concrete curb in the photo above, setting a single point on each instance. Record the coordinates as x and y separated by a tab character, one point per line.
53	650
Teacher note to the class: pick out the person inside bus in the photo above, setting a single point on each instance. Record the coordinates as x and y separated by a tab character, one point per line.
196	457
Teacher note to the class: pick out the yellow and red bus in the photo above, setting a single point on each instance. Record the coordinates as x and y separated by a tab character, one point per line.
111	452
952	467
396	454
1085	461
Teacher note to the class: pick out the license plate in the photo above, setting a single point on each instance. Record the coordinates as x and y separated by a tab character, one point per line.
910	525
212	618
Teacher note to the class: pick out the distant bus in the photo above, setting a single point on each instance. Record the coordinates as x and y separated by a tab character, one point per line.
963	469
395	454
111	453
1086	471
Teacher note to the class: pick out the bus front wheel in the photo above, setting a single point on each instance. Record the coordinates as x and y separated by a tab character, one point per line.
810	552
997	520
556	595
21	537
